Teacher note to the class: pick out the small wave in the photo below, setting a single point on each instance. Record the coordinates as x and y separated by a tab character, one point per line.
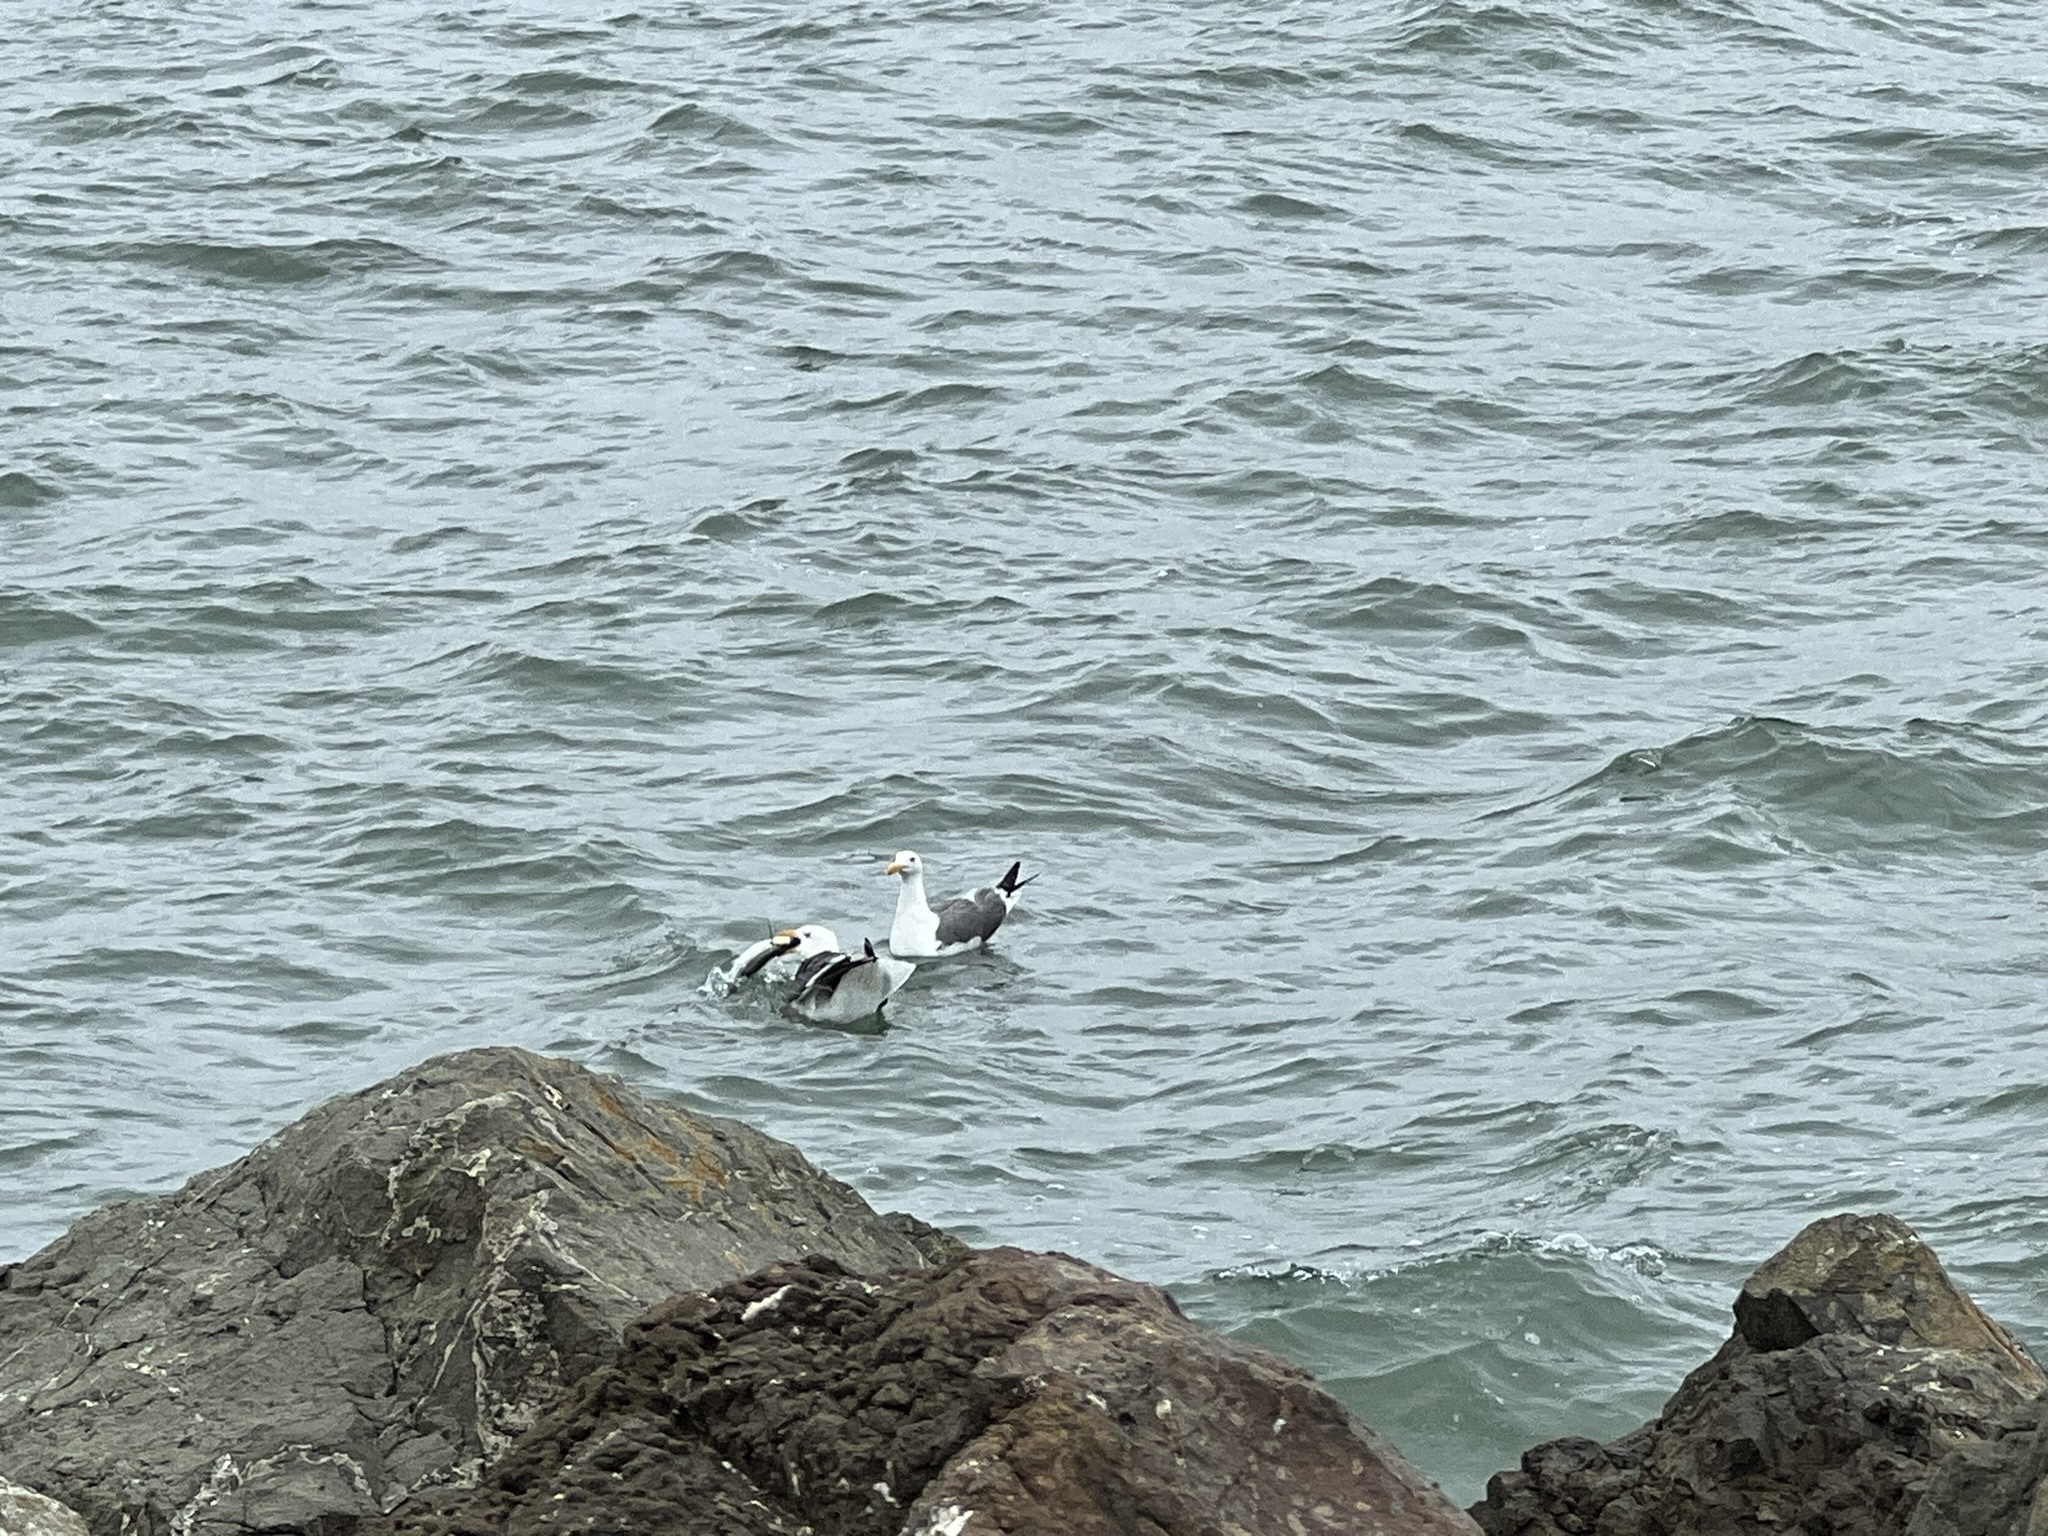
1735	21
1872	1023
700	124
737	527
244	973
739	268
1525	34
1882	154
1892	277
204	824
1818	378
1747	526
1256	78
262	616
450	366
514	115
2015	239
1928	786
867	610
1278	205
1338	382
245	749
1567	1259
948	397
1469	146
479	869
1202	86
619	685
1462	1355
280	265
570	83
2011	383
1663	609
26	620
21	491
144	118
1051	124
1468	618
1580	1169
25	1153
1740	281
1292	1273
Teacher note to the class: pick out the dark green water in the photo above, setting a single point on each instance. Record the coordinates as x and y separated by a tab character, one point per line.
1492	555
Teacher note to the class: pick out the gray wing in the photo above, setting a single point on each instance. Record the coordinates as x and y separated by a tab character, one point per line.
974	916
821	975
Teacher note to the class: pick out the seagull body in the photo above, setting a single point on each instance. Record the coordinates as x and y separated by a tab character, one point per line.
838	988
776	958
960	924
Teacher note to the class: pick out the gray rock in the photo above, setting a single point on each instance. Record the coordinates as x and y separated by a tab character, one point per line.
1009	1394
24	1512
1855	1368
386	1294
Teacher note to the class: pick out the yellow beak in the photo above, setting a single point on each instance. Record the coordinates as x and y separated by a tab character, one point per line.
895	868
788	936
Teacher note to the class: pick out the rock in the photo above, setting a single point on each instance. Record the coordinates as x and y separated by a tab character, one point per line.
27	1513
387	1293
1867	1275
1855	1367
1994	1487
1010	1392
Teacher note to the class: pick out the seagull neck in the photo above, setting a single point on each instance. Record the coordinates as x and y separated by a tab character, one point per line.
911	897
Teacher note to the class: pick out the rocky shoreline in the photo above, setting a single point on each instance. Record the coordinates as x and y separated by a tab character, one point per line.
501	1294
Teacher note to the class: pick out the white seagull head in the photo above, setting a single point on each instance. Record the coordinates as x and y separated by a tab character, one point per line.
810	939
905	863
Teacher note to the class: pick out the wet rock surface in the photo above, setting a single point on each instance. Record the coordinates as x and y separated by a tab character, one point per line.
1009	1392
1855	1369
386	1294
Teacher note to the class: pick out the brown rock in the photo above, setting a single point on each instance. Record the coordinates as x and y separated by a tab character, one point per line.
1855	1368
386	1294
1867	1275
1019	1393
1995	1487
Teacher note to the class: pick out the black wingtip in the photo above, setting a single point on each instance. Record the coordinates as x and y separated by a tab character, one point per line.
869	946
1010	883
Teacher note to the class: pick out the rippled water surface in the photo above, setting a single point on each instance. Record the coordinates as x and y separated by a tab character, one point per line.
1493	556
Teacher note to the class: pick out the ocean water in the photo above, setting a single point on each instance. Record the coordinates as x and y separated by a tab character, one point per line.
1491	556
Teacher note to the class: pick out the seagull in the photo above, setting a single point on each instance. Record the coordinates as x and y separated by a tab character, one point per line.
970	919
838	988
778	956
